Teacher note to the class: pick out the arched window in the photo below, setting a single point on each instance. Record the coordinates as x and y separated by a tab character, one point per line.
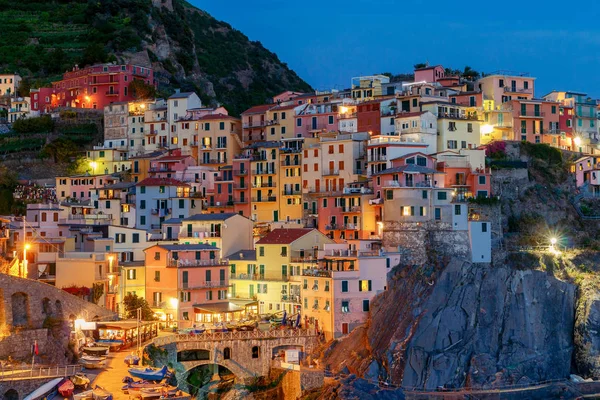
227	353
255	352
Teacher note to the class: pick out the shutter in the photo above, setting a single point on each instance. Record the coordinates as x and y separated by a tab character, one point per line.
360	286
369	285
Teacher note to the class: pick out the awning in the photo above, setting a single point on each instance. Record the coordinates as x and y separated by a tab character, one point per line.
244	302
217	308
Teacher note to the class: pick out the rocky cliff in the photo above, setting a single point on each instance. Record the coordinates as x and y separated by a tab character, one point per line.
467	325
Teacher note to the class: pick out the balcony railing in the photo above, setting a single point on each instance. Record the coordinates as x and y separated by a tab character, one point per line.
291	163
264	185
240	186
197	263
343	227
200	234
331	172
205	285
353	209
532	114
290	298
511	89
291	192
240	172
267	199
240	201
264	172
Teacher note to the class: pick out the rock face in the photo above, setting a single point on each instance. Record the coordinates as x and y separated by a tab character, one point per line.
469	325
587	339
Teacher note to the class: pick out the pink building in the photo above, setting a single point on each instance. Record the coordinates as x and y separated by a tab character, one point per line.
99	85
429	74
535	121
587	175
188	283
42	100
169	165
313	118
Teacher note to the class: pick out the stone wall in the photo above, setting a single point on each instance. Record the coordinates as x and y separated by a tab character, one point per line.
418	241
22	387
18	345
27	303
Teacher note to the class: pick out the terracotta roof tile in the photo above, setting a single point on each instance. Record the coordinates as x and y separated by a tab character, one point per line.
161	182
284	236
258	109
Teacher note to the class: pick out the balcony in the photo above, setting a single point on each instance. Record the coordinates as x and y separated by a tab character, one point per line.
309	258
378	157
240	172
255	124
114	93
291	192
425	184
331	172
197	263
512	89
240	201
264	172
290	298
264	185
342	227
205	285
350	253
291	163
268	199
532	114
240	186
353	209
200	234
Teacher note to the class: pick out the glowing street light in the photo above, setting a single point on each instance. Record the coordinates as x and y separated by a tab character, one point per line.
26	247
553	241
93	164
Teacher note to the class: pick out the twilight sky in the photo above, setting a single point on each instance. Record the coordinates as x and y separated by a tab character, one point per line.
330	41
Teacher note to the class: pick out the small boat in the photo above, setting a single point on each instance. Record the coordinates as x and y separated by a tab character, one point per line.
87	395
157	392
114	345
149	374
44	390
99	393
96	350
92	364
92	358
80	380
132	359
65	388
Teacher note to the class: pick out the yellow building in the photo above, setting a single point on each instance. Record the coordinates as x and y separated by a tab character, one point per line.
497	122
290	184
368	87
265	276
457	129
265	170
104	160
280	122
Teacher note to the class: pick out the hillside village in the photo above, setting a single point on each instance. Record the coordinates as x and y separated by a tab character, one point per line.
304	205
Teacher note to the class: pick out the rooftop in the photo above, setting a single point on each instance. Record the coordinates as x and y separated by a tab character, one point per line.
161	182
243	255
257	109
284	236
210	217
187	247
182	95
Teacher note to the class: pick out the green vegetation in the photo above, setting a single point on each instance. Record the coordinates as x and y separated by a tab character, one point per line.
33	125
132	302
8	182
41	39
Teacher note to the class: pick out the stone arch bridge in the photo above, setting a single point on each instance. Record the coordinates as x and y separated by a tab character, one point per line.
246	354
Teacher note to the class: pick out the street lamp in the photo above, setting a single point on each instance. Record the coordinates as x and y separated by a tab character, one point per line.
174	303
26	247
93	164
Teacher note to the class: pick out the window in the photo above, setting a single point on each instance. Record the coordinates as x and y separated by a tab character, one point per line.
345	306
457	209
364	286
261	251
298	121
283	251
255	352
415	103
143	220
157	276
226	353
484	227
131	274
389	195
142	204
451	126
366	305
438	214
327	286
482	180
330	119
469	127
452	144
442	196
553	109
161	189
424	194
344	286
181	203
422	161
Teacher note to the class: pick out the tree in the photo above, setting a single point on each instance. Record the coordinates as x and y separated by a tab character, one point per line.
60	150
140	90
132	302
420	65
93	54
470	74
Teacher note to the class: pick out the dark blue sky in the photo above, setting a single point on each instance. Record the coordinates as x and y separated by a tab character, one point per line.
328	42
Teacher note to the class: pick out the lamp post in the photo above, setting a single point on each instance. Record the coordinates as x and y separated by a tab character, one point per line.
174	304
26	247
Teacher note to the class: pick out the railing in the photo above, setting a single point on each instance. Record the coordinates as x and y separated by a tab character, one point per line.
353	209
404	185
291	192
264	172
240	172
305	259
345	227
200	234
264	185
532	114
291	163
115	93
240	201
331	172
264	199
290	298
197	263
241	335
510	89
13	374
205	285
380	157
350	253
